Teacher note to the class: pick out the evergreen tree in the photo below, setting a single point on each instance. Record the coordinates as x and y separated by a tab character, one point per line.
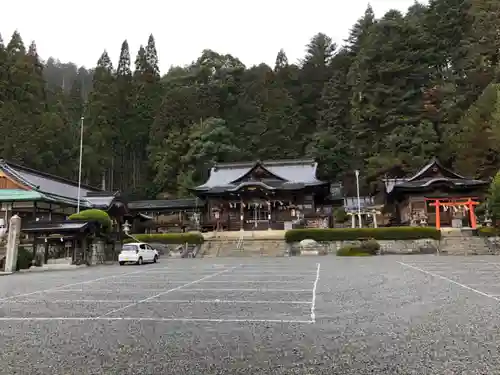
100	122
402	89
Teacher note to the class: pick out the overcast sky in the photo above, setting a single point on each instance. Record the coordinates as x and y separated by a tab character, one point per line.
252	31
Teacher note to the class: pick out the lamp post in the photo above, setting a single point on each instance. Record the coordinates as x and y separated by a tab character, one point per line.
357	192
80	166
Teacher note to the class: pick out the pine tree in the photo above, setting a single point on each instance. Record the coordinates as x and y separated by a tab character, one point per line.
315	73
124	136
100	122
332	145
281	61
387	97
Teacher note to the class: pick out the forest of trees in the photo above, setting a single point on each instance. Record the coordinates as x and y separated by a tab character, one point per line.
401	89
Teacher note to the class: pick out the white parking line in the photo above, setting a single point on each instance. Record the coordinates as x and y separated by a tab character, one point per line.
451	281
244	290
155	320
180	301
261	274
313	303
168	291
146	269
238	281
252	282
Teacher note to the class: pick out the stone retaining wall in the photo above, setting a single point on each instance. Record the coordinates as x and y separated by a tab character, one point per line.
421	246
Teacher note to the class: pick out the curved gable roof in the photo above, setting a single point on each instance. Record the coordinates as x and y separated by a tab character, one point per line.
294	171
57	188
435	163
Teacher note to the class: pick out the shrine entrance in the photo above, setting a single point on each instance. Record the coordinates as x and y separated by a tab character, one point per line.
452	212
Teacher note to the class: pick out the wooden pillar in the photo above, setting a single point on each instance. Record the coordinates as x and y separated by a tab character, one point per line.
34	245
46	255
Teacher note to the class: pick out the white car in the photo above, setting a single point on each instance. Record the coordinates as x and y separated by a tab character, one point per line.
138	253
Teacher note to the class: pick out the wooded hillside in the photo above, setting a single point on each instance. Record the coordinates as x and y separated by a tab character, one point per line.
402	89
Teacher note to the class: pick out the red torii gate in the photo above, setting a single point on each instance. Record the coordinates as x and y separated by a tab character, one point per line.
469	203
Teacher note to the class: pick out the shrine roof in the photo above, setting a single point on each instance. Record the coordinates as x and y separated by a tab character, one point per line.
276	174
48	187
433	173
151	205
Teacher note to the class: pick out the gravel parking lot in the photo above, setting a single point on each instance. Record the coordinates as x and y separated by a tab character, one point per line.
301	315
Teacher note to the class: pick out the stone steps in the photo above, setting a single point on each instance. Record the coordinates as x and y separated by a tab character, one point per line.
456	244
249	248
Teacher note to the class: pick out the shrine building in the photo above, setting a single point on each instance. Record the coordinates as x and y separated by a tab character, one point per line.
267	195
434	196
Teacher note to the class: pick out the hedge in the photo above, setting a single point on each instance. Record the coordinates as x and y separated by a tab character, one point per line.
352	251
100	216
488	232
352	234
194	238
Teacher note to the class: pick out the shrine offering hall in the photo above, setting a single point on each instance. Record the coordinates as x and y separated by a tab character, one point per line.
266	195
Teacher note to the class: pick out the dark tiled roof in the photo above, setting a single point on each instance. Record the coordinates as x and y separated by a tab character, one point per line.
425	182
166	204
290	175
434	162
432	173
57	188
46	183
56	227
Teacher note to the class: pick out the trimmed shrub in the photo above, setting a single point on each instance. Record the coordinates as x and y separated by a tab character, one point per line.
340	215
192	238
352	234
24	259
352	251
371	247
488	232
100	216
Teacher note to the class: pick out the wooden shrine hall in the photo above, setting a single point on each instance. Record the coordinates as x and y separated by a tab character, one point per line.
435	196
267	195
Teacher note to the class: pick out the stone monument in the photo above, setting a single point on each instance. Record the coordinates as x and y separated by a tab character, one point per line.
12	243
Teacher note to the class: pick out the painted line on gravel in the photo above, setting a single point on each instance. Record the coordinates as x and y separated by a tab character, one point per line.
165	301
313	303
245	290
167	291
451	281
154	320
146	269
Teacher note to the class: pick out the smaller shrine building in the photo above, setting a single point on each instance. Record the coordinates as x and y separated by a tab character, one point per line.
434	196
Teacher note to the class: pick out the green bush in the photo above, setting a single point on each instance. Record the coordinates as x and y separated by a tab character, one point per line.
194	238
352	251
100	216
340	215
352	234
24	259
371	247
488	232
